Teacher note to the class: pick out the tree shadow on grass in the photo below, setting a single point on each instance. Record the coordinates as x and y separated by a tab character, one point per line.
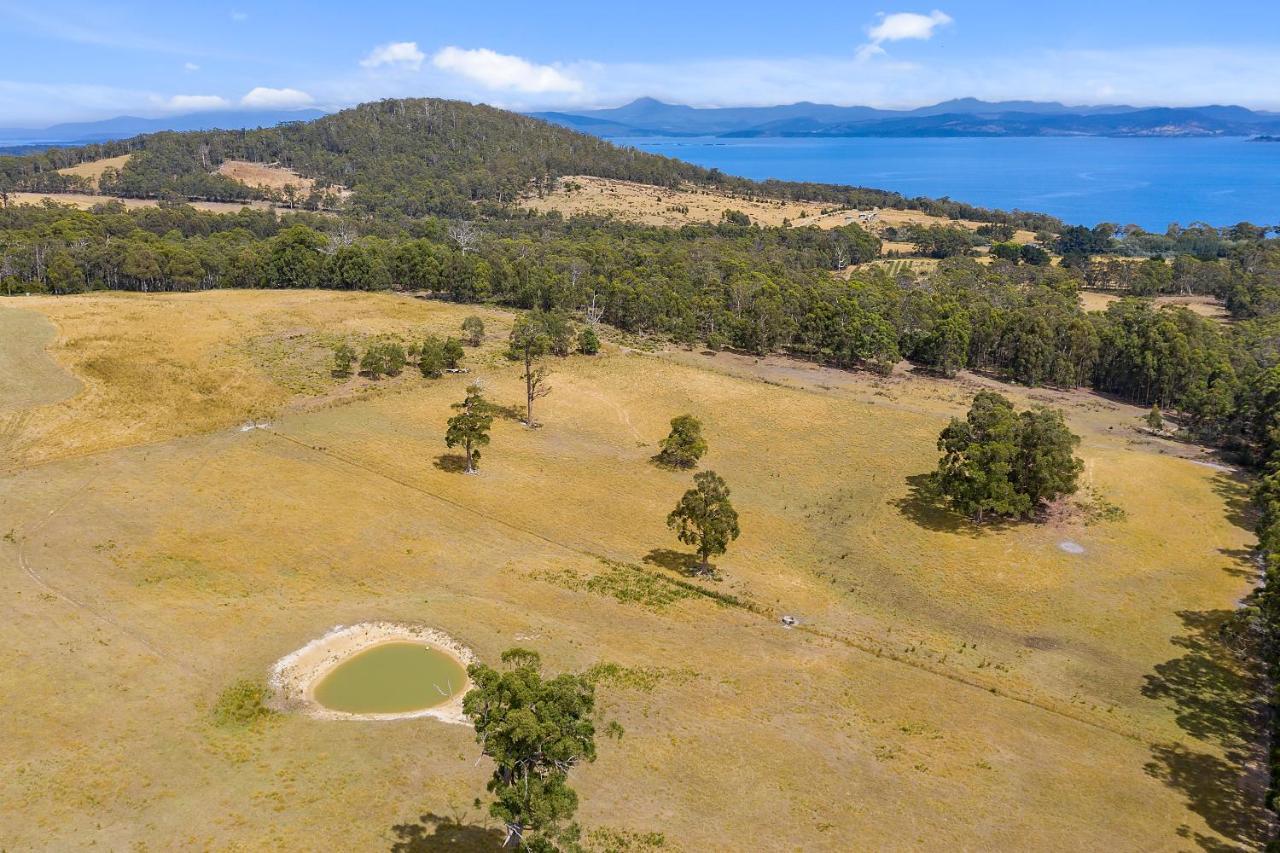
1217	698
452	463
1216	791
505	412
659	461
679	562
1243	562
1233	488
434	833
1214	692
923	505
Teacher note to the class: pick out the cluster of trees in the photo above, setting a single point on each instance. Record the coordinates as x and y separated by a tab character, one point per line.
1000	462
434	355
1259	617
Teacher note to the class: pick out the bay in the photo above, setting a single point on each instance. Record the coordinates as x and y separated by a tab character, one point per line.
1150	182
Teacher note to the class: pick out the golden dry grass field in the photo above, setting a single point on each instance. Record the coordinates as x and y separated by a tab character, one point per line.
263	175
650	205
85	201
1205	306
948	687
93	169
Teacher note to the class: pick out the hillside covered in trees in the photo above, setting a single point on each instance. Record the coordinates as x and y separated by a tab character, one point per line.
420	156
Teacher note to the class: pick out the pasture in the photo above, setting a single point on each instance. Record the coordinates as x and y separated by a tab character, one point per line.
947	687
629	201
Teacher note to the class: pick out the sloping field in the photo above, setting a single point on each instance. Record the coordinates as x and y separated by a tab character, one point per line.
262	175
1205	306
948	687
649	205
93	169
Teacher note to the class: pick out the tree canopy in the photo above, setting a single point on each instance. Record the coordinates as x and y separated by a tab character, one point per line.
535	730
999	462
705	518
469	428
684	445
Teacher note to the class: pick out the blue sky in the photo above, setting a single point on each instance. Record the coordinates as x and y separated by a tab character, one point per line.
86	60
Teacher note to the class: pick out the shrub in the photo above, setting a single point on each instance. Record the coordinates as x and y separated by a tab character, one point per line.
588	341
452	353
473	330
242	704
431	359
344	358
684	445
382	358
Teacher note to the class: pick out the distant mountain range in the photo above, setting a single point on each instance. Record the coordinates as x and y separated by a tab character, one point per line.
122	127
961	117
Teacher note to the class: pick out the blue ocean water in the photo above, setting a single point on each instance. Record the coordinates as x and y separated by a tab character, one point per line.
1149	182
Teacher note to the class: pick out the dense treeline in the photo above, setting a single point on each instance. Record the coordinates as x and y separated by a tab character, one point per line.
756	289
413	157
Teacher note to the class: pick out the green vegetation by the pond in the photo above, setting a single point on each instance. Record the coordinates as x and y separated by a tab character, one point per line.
392	678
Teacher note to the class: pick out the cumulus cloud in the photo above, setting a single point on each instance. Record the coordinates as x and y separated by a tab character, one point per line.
267	98
195	103
404	54
900	26
190	66
500	71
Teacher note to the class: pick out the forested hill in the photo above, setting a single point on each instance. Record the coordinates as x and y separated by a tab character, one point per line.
413	157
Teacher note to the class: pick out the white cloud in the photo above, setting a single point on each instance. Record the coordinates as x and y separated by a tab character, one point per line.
194	103
900	26
264	98
238	16
190	66
398	53
500	71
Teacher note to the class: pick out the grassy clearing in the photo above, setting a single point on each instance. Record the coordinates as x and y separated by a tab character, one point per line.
84	201
649	205
1205	306
93	169
264	176
947	686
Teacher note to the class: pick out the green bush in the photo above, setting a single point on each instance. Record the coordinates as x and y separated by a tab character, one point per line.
684	446
242	704
473	328
384	358
344	358
452	352
431	359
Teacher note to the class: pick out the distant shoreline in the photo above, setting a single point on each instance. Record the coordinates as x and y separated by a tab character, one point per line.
1148	181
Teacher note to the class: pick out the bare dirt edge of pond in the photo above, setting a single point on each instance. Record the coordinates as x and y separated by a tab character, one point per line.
295	676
